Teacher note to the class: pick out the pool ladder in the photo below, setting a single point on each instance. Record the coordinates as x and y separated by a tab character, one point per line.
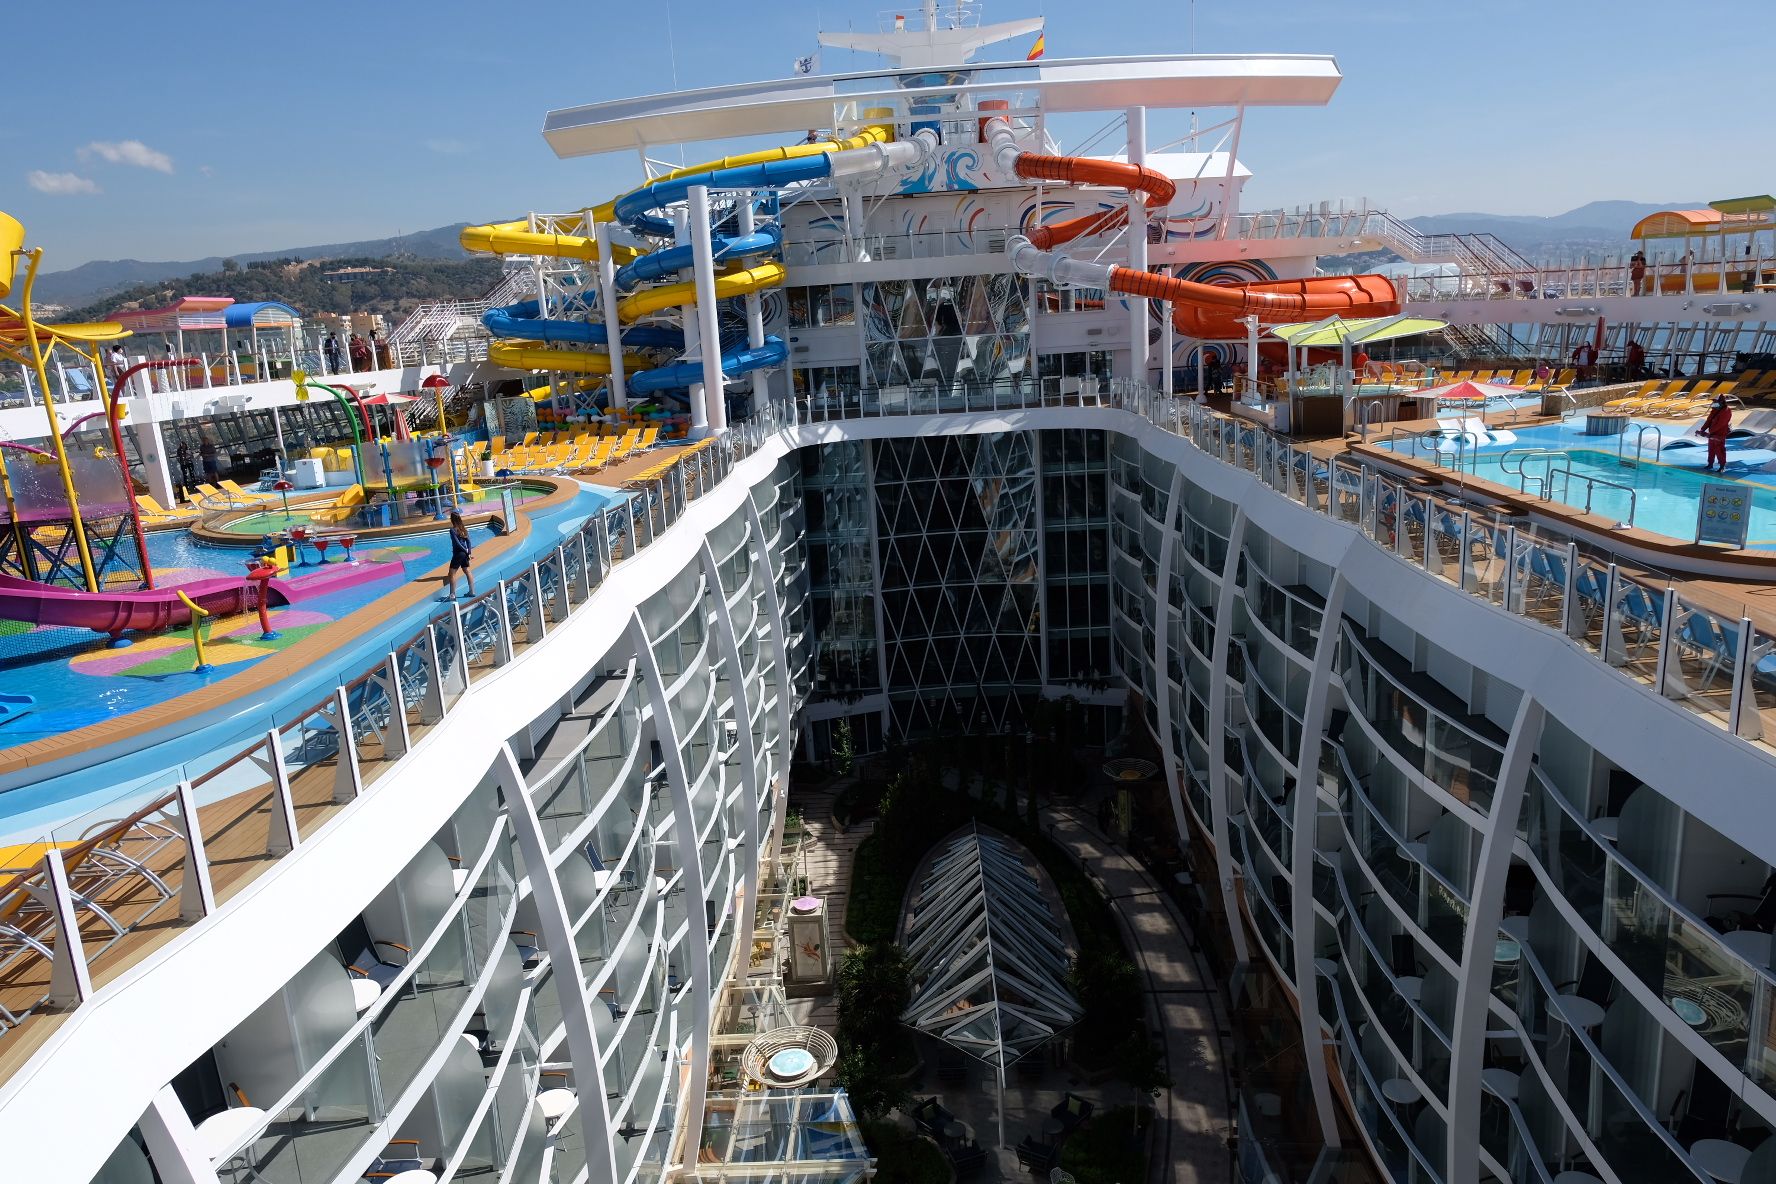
1640	434
1524	477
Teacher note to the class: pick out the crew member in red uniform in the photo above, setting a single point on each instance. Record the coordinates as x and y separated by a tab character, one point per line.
1715	429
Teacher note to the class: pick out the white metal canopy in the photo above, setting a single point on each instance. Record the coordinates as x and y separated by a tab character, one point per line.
1062	85
989	964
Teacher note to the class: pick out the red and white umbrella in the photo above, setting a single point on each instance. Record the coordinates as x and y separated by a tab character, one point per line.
1468	391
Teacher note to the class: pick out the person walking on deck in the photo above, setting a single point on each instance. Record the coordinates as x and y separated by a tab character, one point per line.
460	550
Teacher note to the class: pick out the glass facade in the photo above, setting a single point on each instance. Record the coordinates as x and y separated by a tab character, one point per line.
952	334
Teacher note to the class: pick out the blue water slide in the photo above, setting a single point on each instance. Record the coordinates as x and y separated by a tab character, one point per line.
663	263
635	210
734	363
523	320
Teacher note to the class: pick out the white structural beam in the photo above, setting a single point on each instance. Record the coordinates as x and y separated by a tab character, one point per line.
1061	85
1137	246
1306	824
715	402
755	307
556	926
1217	771
613	325
684	827
1486	908
742	707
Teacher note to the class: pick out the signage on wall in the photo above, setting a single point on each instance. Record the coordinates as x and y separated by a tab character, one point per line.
1723	513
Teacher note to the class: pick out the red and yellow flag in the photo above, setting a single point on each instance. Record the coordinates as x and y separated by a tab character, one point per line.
1036	50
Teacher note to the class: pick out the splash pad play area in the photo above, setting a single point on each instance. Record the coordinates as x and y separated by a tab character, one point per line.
108	607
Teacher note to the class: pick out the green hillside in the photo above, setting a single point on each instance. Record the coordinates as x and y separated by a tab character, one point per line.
391	285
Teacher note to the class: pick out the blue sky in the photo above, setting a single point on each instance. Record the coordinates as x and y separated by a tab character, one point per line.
181	131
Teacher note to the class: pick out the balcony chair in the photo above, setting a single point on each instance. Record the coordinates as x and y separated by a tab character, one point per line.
401	1155
360	954
966	1159
1704	1111
1038	1158
1595	983
1070	1112
1761	916
931	1117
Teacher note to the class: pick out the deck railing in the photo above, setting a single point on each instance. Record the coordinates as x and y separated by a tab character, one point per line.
150	855
143	866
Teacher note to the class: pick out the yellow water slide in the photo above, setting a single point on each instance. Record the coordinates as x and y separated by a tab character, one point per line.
534	355
516	238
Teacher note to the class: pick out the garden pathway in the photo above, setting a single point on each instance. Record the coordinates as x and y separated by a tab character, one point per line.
1195	1113
827	850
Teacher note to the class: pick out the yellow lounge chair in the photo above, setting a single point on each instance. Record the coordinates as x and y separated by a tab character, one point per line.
154	511
1640	395
648	436
245	495
341	510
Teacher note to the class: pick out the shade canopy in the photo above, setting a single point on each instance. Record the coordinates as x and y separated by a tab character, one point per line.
989	963
1335	331
1477	392
260	314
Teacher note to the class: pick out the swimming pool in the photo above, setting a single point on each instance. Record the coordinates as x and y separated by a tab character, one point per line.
275	518
1667	477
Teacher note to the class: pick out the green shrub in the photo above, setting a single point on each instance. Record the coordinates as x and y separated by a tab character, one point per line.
902	1157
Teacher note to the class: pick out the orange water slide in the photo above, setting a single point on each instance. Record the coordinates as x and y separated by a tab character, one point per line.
1212	312
1079	170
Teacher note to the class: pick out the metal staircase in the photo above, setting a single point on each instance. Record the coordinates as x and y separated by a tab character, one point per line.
451	330
1485	254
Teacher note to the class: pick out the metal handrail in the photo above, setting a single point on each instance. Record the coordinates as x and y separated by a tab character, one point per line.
1523	478
1640	431
1591	484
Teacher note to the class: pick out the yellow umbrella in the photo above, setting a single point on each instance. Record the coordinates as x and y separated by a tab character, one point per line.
1335	331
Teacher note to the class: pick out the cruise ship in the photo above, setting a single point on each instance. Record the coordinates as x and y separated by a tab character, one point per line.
1433	750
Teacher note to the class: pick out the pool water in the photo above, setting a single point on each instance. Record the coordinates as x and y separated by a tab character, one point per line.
277	518
1667	479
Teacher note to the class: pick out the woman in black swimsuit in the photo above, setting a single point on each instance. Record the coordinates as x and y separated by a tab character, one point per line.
460	549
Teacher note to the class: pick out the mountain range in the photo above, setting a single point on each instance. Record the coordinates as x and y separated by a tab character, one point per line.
1596	225
90	281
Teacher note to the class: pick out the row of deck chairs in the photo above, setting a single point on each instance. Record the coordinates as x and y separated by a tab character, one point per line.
584	452
1707	644
1525	379
114	884
1674	399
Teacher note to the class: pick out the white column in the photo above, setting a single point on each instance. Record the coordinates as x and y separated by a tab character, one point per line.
556	925
1137	246
1252	354
151	447
755	308
684	826
613	326
703	268
693	335
766	579
1165	361
172	1141
1302	918
742	704
1224	618
1162	645
1467	1043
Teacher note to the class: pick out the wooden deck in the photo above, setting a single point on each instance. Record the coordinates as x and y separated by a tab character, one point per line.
236	831
267	674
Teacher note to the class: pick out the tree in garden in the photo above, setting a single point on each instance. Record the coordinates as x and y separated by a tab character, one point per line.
844	752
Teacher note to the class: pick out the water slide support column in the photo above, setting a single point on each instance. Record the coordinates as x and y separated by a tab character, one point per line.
755	308
703	268
613	326
1137	246
693	339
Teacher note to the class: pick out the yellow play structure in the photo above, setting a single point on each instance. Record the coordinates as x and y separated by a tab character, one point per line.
26	340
